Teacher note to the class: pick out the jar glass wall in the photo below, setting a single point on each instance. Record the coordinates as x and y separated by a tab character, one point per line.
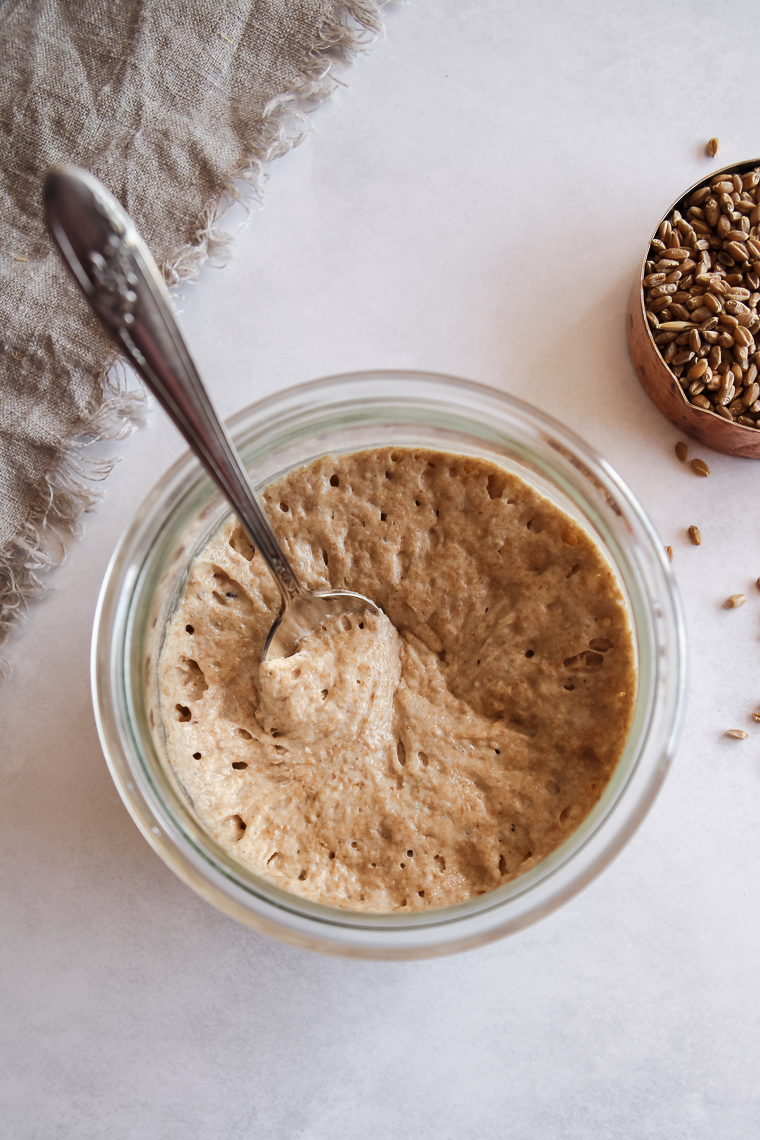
350	413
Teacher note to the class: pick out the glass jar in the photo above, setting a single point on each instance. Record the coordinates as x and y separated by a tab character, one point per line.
144	583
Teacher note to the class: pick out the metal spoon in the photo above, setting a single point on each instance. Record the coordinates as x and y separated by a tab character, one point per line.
118	276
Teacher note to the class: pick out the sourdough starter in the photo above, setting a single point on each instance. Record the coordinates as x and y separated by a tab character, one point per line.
415	759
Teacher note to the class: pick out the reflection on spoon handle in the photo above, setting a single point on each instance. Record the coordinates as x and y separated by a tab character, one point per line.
120	279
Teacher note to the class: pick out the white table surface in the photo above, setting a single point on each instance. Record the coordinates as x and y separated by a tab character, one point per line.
476	201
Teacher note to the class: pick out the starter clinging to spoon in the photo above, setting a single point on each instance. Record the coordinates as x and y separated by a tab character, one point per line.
118	276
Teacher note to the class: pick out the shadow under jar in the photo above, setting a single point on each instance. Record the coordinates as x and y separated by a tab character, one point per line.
669	393
340	415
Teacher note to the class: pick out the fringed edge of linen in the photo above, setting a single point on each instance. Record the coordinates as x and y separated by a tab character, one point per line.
70	488
68	491
342	36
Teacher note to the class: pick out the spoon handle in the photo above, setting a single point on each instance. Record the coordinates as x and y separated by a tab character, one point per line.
120	279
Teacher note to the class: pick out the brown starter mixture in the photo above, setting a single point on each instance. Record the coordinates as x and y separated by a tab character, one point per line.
414	761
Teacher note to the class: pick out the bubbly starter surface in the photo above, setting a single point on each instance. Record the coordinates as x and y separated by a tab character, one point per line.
420	758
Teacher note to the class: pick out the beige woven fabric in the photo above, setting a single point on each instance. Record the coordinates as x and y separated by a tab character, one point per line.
171	103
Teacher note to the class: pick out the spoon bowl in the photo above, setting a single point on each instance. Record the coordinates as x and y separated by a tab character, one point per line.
309	612
114	268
